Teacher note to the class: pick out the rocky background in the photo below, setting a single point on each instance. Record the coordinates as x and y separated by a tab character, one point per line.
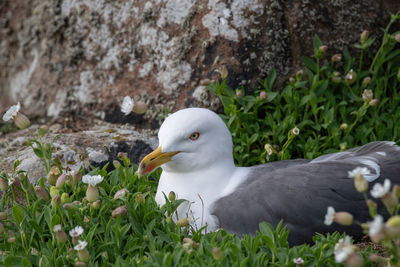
73	61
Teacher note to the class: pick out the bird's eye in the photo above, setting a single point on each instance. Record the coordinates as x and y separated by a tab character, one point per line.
194	136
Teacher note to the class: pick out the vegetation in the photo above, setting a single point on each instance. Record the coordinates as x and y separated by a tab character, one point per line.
319	111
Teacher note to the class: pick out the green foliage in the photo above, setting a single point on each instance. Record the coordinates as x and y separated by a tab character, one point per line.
317	101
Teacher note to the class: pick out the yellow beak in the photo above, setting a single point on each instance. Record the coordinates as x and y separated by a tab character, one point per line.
154	160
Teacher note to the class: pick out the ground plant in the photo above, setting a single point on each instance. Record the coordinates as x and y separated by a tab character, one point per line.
97	217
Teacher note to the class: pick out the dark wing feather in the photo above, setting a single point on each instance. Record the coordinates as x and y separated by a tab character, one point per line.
300	195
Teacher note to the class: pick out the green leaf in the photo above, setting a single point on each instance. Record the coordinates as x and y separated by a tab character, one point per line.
309	63
317	43
270	79
17	213
38	153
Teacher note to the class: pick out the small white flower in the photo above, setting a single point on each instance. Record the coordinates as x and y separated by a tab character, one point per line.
127	105
295	131
375	226
359	171
298	260
81	245
57	228
11	112
343	249
330	215
92	179
379	190
76	232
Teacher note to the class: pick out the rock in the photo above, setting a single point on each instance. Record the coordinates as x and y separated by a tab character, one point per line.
75	56
96	146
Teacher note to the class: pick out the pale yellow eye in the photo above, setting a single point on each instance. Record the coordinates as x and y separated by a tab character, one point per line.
194	136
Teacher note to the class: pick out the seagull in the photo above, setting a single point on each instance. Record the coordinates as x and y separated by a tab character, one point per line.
196	156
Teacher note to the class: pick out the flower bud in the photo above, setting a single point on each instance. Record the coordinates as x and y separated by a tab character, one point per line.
396	190
11	239
83	255
394	221
374	102
61	180
239	93
366	81
122	156
343	218
61	236
397	37
21	121
323	48
122	211
217	254
64	198
121	193
68	206
139	198
3	185
336	79
171	196
116	164
350	77
55	201
291	80
263	95
3	215
41	192
390	201
183	222
367	95
54	191
364	36
96	205
299	75
76	177
53	175
336	58
354	260
92	193
205	82
343	126
140	107
343	146
360	183
223	71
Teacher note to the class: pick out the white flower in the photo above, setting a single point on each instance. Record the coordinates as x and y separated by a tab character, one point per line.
57	228
127	105
298	260
81	245
11	112
359	171
343	249
295	131
92	179
11	180
379	190
77	231
330	215
375	226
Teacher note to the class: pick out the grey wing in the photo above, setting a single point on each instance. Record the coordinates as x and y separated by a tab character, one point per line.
300	195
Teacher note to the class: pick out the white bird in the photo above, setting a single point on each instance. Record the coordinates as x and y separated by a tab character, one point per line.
196	156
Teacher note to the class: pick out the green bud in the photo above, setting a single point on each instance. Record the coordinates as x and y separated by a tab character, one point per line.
96	205
364	36
171	196
64	198
53	175
350	77
343	218
139	198
183	222
140	107
54	191
21	121
41	192
55	201
83	255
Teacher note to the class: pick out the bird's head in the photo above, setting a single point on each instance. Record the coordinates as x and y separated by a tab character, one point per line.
189	139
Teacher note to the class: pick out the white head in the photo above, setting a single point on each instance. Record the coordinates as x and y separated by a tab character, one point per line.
190	139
